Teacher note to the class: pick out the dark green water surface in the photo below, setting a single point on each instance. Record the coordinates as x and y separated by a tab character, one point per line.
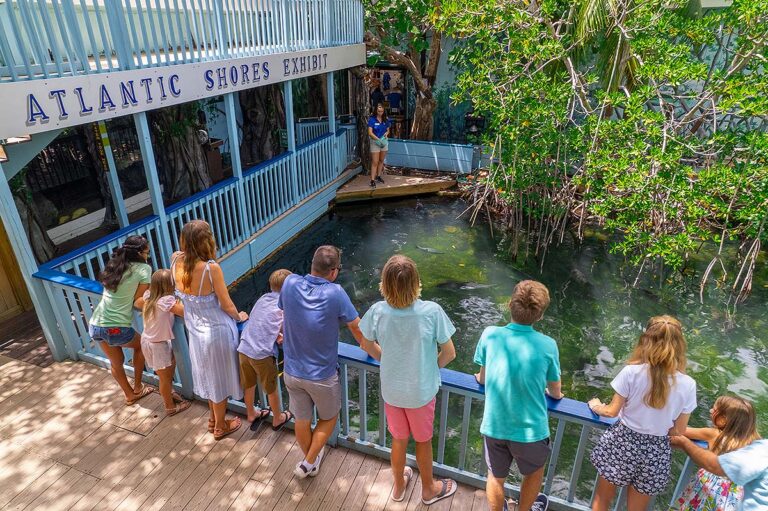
595	315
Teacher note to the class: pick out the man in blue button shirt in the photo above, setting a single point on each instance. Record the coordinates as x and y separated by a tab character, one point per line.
747	467
313	310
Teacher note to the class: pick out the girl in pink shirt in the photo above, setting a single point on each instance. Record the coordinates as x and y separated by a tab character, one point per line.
158	306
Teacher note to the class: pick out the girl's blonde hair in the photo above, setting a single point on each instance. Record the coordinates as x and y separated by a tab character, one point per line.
400	284
662	346
740	424
198	244
161	285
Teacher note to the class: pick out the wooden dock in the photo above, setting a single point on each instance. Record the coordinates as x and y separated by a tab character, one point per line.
68	442
359	189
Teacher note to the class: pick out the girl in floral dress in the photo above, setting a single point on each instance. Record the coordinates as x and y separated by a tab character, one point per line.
735	426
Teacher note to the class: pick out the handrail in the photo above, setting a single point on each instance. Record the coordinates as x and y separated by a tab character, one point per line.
200	195
264	164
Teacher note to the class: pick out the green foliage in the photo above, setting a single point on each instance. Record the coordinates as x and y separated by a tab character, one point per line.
632	115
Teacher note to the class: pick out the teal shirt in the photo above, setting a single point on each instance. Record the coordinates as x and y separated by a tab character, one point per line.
519	362
748	467
410	377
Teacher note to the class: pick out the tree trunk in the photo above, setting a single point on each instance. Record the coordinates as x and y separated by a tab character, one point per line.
180	157
361	102
423	125
42	245
90	133
317	96
263	111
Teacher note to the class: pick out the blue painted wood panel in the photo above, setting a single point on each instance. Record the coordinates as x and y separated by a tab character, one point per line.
430	155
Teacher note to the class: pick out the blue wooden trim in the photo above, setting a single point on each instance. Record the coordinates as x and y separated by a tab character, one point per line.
69	280
313	141
264	164
53	263
200	195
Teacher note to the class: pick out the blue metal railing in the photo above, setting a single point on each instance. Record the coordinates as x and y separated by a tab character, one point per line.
49	38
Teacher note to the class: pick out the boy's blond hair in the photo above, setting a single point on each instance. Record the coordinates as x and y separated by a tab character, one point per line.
277	278
529	301
400	284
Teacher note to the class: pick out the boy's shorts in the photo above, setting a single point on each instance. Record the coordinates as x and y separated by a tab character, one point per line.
263	371
499	454
112	335
325	395
404	422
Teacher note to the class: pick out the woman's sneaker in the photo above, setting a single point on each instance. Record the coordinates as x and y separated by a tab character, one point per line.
541	503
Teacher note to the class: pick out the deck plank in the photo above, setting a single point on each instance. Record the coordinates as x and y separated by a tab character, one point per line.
362	484
359	189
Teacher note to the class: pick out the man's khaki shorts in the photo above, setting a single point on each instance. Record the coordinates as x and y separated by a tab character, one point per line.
325	395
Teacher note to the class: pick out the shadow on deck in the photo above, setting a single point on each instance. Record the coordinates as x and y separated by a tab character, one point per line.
21	338
67	442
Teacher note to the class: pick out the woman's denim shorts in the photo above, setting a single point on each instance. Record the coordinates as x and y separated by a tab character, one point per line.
112	335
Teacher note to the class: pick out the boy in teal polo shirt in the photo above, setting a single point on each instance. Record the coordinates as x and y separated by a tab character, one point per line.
516	364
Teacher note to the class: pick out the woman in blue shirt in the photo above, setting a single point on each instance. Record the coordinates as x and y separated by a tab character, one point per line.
378	131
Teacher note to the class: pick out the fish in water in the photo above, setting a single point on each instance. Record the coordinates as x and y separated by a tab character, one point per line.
429	250
464	286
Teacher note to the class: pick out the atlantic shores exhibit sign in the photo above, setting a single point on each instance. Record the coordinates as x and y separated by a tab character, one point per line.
35	106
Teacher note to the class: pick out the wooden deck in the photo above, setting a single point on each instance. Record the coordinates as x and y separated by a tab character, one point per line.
22	338
67	442
359	188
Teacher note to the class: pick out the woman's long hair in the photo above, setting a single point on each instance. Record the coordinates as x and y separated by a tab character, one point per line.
120	262
376	112
740	424
198	244
662	346
160	286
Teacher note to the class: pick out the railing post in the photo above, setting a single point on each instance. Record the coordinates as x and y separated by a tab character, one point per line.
28	265
112	177
183	362
291	132
119	32
155	194
237	166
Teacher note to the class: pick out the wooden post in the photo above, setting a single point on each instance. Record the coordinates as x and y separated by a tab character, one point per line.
26	259
155	193
237	165
112	177
291	130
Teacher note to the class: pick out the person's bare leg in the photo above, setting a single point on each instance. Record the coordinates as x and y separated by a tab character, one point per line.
303	431
529	489
138	361
382	156
274	403
637	501
429	487
397	459
494	492
116	361
323	431
249	398
166	387
220	414
374	165
603	495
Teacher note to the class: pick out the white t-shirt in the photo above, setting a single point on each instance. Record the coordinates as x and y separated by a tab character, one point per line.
633	383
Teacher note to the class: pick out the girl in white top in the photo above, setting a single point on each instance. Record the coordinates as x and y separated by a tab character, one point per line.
653	399
159	305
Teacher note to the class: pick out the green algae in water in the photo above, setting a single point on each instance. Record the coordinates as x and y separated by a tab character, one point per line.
595	315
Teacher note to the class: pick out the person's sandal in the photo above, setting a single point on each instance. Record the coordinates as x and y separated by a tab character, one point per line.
260	417
288	418
211	425
232	426
444	492
145	391
407	475
180	407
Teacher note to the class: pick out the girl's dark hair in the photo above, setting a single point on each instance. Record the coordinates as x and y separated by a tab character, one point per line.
376	110
120	262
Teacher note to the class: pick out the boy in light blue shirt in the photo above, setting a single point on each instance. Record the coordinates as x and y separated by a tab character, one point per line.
414	342
516	364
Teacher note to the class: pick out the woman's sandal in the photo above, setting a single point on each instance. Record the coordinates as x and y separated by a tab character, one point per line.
180	407
177	397
263	414
145	391
445	492
232	426
407	475
288	417
211	425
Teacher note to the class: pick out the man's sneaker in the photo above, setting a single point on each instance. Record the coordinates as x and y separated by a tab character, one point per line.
378	178
303	469
316	469
541	503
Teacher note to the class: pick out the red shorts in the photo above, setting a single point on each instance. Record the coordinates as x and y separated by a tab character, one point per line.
403	422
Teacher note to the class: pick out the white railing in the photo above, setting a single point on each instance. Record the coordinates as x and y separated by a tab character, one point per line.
49	38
